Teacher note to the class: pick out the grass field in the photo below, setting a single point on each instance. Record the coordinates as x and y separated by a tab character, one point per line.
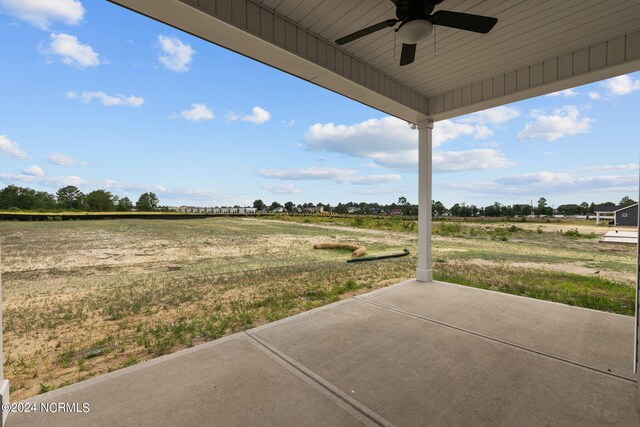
83	298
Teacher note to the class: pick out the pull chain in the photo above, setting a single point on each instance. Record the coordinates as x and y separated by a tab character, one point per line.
395	35
435	40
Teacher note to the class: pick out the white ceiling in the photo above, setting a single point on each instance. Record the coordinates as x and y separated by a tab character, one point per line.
537	46
527	32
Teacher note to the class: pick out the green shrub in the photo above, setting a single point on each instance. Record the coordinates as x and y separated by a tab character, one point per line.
572	233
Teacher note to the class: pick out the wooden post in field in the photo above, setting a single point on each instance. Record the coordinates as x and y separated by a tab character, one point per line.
425	170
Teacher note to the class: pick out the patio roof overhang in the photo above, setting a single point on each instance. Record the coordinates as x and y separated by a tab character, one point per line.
537	47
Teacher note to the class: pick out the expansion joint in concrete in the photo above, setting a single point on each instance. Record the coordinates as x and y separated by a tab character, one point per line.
358	410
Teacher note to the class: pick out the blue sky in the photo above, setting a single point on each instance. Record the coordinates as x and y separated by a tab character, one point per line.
100	97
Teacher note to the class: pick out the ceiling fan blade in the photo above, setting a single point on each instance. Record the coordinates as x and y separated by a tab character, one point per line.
408	54
463	21
366	31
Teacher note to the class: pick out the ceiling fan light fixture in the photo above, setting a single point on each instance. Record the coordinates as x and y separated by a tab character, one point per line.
414	31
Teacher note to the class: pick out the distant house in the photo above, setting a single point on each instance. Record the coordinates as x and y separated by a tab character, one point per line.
352	210
396	212
278	210
619	215
627	215
314	209
187	209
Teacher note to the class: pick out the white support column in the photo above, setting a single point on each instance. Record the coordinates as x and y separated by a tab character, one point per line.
425	145
4	383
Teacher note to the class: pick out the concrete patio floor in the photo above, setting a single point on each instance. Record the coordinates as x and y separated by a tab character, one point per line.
409	355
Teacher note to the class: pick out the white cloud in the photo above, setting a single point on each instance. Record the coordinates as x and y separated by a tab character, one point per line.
385	135
377	190
567	181
186	194
448	161
337	175
391	143
457	161
388	141
313	173
71	51
488	144
176	55
42	13
371	179
608	168
232	117
567	93
51	181
594	95
200	194
565	121
403	160
60	159
197	113
11	148
113	185
34	170
258	116
494	116
547	183
621	85
282	189
107	100
447	130
549	153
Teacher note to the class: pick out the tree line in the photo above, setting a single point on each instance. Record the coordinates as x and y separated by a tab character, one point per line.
541	208
70	198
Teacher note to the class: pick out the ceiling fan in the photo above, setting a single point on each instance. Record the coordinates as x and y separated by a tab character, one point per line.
416	24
